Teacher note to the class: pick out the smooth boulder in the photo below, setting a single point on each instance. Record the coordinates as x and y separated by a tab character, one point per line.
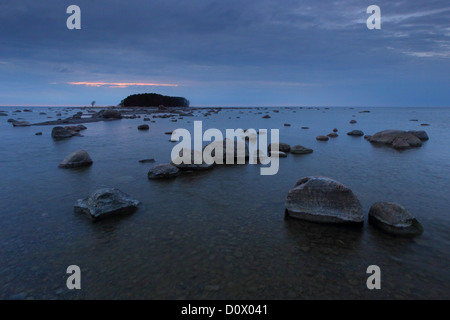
394	219
323	200
282	147
21	124
106	202
163	171
322	138
61	133
300	150
399	139
76	159
238	153
355	133
186	163
144	127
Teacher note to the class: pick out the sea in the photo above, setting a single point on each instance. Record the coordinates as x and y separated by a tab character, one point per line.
222	234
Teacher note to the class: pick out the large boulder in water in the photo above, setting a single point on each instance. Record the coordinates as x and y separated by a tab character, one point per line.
399	139
324	200
106	202
61	133
109	114
163	171
394	219
79	158
283	147
301	150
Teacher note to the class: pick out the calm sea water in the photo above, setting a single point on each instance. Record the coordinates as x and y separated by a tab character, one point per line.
222	234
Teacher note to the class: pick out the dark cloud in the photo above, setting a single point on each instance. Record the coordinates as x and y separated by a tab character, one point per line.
219	50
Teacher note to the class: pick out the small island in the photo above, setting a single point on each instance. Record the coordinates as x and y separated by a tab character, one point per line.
153	100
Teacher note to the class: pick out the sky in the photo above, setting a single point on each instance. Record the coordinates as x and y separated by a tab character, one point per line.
226	52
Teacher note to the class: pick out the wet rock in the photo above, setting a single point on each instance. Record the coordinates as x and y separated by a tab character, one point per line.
11	120
322	138
287	124
394	219
163	171
146	119
2	114
283	147
106	202
335	130
267	117
324	200
38	134
76	159
305	128
21	124
300	150
353	121
61	133
355	133
27	110
425	124
398	139
143	127
109	114
422	135
333	135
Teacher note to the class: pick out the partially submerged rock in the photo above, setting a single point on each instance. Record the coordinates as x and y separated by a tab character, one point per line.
300	150
323	200
63	133
185	164
163	171
355	133
399	139
322	138
76	159
239	153
143	127
106	202
394	219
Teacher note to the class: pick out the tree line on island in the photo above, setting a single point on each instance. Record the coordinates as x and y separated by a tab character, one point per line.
153	100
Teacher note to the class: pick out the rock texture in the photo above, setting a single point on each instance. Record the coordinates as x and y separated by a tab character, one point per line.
76	159
394	219
282	147
300	150
399	139
323	200
322	138
106	202
355	133
163	171
190	165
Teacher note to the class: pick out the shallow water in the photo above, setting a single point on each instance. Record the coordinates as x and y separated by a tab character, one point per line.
222	234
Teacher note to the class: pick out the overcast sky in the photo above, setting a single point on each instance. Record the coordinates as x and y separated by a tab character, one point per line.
227	52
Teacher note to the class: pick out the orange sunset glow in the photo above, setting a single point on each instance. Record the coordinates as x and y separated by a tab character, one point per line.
122	84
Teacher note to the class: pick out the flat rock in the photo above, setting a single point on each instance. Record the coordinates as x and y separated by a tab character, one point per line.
61	133
147	160
163	171
399	139
333	135
76	159
239	152
322	138
323	200
106	202
300	150
353	121
394	219
278	154
355	133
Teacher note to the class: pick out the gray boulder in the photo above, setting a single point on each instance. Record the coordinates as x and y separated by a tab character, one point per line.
323	200
76	159
394	219
2	114
61	133
163	171
106	202
239	152
355	133
399	139
300	150
109	114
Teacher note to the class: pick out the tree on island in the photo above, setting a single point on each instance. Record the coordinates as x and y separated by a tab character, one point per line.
92	103
153	100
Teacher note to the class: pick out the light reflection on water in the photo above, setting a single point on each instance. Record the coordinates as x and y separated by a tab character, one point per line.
222	234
